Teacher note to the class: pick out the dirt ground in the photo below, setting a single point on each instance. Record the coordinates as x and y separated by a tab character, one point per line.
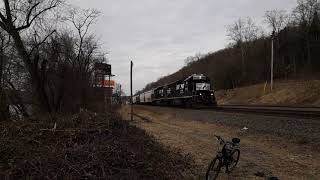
263	152
86	145
285	92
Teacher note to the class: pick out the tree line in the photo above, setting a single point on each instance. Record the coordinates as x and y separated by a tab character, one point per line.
47	54
246	60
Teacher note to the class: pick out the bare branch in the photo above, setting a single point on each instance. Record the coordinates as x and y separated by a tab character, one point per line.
3	26
3	19
30	12
28	21
8	10
40	43
276	19
243	30
303	13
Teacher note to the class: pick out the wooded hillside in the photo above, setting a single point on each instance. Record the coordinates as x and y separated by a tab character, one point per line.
247	60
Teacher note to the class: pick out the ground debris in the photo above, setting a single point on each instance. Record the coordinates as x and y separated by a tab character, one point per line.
259	174
85	146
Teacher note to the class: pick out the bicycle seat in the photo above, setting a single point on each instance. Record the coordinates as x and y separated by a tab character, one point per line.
236	140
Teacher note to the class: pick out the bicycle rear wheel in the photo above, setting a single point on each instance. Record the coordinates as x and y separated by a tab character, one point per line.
235	155
214	169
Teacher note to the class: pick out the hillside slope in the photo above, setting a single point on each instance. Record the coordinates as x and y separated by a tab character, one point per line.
292	93
243	63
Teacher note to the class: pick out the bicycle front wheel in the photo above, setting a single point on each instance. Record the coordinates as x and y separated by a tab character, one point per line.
214	169
235	155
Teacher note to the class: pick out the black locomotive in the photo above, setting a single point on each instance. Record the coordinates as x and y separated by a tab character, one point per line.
194	90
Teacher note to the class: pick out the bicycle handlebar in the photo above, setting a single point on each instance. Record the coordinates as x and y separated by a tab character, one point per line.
219	138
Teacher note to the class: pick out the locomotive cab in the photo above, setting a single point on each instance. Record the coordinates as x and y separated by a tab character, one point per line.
199	87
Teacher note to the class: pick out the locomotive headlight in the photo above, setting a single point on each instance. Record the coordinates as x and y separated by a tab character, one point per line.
212	94
200	94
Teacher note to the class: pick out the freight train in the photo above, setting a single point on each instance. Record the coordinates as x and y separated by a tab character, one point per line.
194	90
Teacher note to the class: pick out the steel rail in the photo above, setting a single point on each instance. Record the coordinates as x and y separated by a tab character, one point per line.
273	110
287	111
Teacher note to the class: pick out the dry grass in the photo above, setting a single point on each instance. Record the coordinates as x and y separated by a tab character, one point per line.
298	93
267	153
86	146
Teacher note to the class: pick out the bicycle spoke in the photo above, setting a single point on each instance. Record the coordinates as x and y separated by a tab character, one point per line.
226	159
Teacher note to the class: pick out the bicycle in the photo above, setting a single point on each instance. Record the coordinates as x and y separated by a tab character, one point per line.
227	157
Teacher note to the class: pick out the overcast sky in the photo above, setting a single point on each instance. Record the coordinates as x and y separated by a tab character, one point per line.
159	34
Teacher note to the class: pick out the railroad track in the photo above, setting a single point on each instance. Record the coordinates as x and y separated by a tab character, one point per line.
288	111
272	110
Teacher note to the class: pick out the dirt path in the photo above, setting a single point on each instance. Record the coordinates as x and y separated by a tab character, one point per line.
267	154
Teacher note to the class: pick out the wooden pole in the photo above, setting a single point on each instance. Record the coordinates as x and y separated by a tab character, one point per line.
110	91
131	100
120	96
272	56
105	91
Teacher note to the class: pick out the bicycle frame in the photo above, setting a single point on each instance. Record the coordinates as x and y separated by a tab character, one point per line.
225	153
224	157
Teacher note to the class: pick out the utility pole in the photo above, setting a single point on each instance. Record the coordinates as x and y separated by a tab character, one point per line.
110	90
272	59
120	95
131	100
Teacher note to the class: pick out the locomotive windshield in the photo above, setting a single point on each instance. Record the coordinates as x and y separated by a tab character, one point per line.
203	85
198	83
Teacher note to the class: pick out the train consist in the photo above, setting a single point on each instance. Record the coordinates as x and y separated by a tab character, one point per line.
194	90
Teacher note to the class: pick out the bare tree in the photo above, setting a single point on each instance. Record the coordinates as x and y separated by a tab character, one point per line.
192	59
303	13
303	16
82	19
21	15
241	32
276	19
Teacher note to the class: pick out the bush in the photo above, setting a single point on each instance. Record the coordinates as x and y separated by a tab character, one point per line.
86	145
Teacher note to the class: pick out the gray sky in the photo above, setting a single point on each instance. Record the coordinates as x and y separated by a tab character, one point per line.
159	34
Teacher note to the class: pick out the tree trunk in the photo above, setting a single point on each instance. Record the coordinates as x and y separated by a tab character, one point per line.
242	60
309	54
4	106
32	68
294	66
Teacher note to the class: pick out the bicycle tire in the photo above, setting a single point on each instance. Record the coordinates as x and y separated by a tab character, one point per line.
235	159
217	170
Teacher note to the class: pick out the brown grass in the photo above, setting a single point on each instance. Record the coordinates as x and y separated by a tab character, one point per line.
295	93
267	153
86	146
